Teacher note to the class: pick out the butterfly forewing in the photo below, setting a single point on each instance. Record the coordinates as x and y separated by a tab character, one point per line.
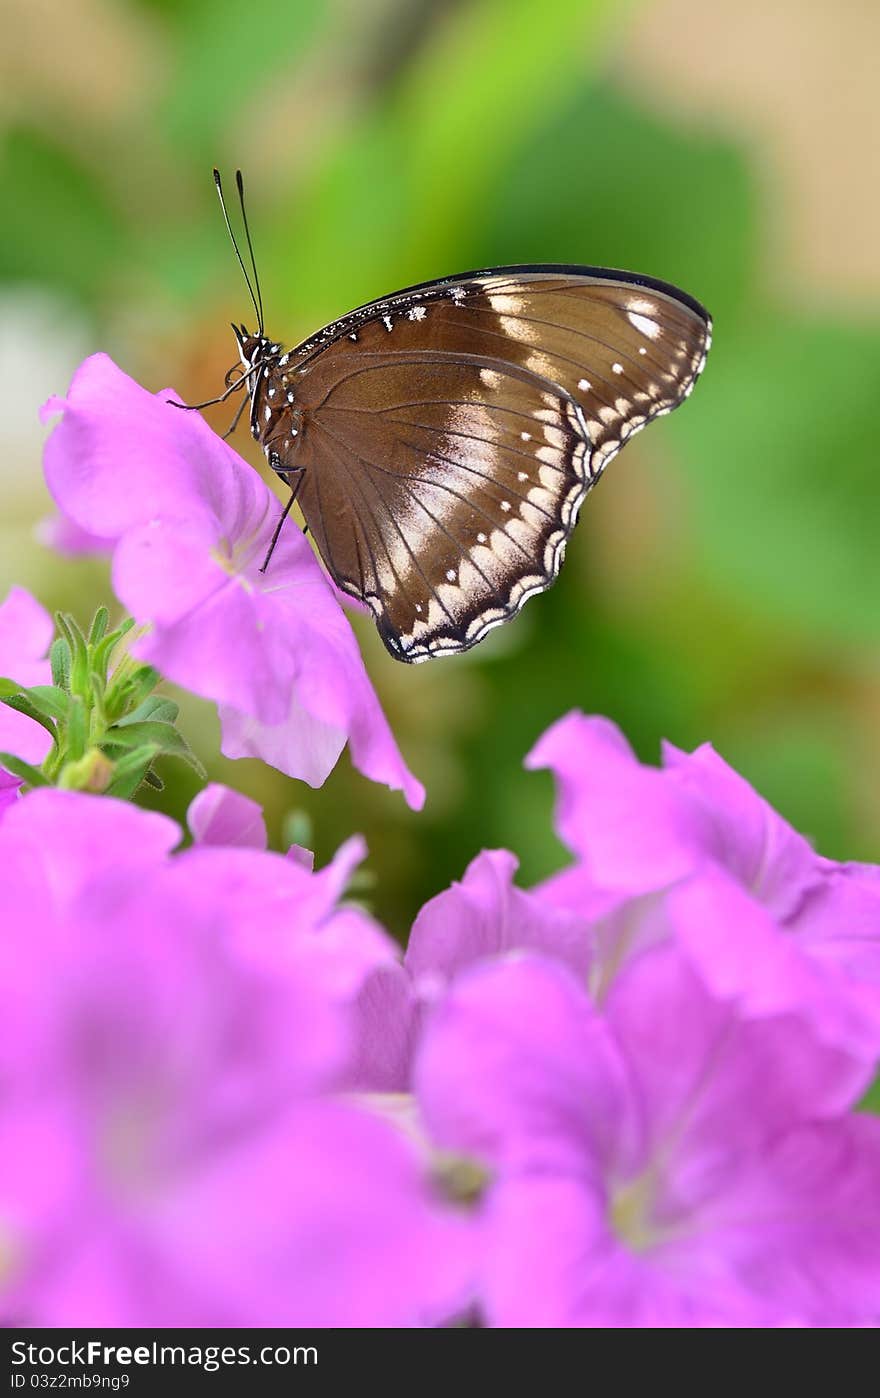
450	433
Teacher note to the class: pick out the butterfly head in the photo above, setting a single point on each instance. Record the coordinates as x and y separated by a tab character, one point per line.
255	351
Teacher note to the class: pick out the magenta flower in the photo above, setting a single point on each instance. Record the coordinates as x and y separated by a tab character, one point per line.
9	788
191	523
26	632
59	533
172	1026
691	850
485	915
668	1163
221	816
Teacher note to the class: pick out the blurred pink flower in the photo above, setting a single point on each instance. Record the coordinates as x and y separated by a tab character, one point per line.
191	523
26	632
173	1027
691	850
220	816
668	1163
60	534
9	788
484	915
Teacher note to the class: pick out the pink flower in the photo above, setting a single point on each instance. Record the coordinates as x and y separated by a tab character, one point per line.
60	534
174	1152
691	850
221	816
191	523
26	632
485	915
669	1163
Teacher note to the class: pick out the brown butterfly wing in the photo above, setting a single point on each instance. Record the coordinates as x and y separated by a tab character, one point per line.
449	435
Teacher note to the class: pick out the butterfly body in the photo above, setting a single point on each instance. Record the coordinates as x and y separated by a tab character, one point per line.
442	440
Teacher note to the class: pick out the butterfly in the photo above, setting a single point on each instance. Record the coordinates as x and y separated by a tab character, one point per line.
440	441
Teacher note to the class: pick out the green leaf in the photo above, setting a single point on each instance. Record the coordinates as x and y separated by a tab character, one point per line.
131	770
77	731
24	705
79	666
104	648
50	700
140	685
32	775
163	736
60	660
130	735
8	686
155	707
99	625
128	688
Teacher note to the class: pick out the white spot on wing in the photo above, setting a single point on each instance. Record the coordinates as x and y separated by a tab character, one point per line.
644	324
584	385
507	304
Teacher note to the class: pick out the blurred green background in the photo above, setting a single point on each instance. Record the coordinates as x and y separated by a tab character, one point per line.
724	581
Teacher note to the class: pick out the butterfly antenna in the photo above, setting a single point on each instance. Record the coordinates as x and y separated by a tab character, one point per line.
247	233
258	311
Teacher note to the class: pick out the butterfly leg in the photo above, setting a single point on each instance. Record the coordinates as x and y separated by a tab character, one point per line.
300	472
221	398
234	423
285	472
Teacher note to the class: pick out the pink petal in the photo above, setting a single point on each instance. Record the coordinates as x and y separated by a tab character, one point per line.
26	631
485	915
192	524
516	1068
766	855
743	954
221	816
631	827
